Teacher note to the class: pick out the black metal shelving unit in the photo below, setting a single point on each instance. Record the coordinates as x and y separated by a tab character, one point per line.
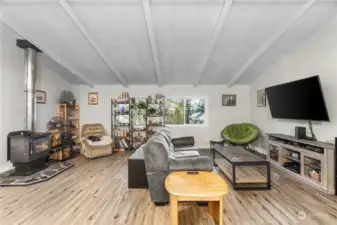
121	131
129	135
155	114
139	129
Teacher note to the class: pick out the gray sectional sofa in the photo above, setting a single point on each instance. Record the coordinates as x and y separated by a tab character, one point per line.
161	158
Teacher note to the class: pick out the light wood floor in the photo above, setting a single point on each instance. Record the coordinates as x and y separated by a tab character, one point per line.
95	192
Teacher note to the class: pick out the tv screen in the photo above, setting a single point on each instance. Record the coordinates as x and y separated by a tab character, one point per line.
301	99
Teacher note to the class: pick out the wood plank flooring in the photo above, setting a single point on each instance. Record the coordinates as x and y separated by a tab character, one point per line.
95	192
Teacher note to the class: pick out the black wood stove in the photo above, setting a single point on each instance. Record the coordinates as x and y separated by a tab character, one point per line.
28	151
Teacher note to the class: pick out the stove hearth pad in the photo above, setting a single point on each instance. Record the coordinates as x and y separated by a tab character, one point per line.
9	179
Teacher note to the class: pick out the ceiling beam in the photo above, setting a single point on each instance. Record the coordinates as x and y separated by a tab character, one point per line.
152	39
62	63
68	10
136	2
281	1
218	27
270	42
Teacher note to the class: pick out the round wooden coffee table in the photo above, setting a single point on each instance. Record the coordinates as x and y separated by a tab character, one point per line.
204	186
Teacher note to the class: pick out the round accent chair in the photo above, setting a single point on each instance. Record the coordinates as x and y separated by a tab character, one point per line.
240	134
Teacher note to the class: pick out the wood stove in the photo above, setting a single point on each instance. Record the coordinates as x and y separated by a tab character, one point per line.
28	149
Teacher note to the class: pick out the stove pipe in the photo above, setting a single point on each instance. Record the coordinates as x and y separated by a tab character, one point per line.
30	82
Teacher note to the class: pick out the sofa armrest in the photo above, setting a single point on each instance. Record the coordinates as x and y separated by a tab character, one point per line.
155	157
84	141
201	163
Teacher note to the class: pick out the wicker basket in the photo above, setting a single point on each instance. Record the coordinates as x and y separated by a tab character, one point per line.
314	175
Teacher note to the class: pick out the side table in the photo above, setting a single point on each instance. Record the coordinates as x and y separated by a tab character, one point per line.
136	170
213	143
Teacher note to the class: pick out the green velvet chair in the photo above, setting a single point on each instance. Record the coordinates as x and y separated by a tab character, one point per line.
240	134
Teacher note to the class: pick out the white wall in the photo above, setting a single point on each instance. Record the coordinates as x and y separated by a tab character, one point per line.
1	96
12	91
12	96
218	116
316	56
53	84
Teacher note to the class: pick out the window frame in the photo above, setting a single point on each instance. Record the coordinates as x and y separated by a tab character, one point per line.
205	124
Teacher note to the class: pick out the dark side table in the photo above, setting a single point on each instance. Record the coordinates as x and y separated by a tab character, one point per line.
216	142
136	170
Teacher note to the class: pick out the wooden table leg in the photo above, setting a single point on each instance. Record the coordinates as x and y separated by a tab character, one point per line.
173	210
215	209
221	211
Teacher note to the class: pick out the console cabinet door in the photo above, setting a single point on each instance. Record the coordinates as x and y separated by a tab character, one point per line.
275	153
313	169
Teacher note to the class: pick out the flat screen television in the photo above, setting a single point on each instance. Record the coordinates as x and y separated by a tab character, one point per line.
301	99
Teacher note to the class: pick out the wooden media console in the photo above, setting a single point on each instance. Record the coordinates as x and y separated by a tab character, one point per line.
311	161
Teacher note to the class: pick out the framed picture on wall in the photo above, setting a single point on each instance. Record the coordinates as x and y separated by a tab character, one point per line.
228	100
41	97
93	98
261	98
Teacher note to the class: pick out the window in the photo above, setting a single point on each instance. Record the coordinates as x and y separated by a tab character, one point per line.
180	111
174	111
194	111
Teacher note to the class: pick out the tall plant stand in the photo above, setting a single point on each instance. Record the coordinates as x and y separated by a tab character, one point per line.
121	124
139	127
155	114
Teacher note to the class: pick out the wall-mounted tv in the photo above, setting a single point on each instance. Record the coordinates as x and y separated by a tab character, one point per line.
301	99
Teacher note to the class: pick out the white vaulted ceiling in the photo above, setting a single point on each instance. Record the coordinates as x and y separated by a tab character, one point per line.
163	42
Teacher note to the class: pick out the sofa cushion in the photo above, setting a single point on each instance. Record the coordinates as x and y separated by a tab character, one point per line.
168	140
166	131
186	149
105	140
187	141
202	163
186	154
162	135
172	147
92	130
165	136
171	155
